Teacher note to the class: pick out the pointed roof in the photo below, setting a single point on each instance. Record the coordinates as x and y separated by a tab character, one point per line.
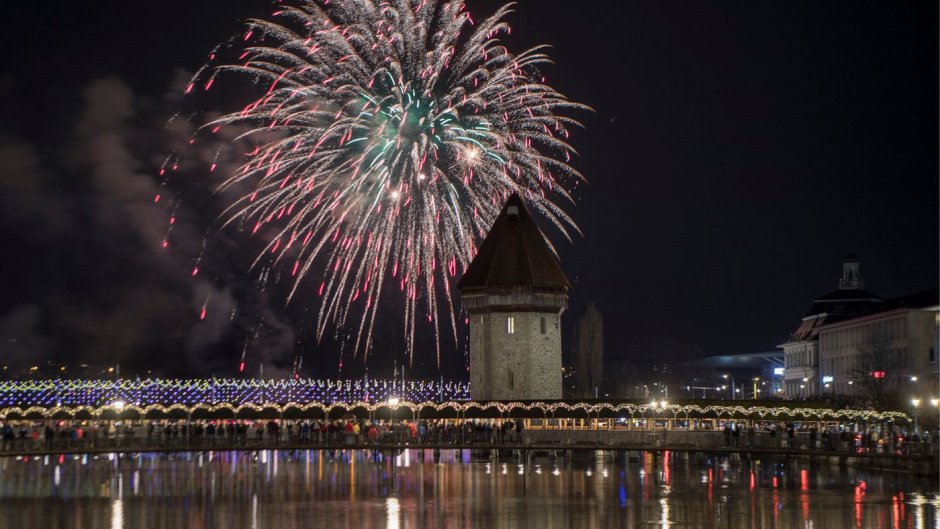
514	253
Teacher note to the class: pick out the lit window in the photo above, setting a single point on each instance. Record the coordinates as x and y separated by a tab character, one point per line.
511	325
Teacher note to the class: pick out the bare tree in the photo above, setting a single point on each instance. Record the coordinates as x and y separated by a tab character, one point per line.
877	367
589	351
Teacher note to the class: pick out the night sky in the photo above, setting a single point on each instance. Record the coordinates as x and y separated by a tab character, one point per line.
738	150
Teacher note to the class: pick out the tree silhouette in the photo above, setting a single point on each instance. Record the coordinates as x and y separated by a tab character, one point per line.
877	368
589	351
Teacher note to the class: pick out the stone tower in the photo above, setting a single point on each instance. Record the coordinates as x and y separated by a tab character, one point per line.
514	292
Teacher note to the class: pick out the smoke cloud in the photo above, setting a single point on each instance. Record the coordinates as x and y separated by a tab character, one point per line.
105	269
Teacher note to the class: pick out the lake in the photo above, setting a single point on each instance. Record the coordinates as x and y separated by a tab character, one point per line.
418	489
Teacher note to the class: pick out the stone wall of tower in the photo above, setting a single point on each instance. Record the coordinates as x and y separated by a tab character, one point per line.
516	361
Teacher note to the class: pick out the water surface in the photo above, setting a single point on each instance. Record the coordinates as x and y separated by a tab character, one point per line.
282	490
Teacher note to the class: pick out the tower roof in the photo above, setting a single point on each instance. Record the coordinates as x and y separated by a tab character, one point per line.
514	253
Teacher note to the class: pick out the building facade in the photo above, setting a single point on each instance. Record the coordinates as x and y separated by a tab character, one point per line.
838	340
515	292
801	368
801	374
906	328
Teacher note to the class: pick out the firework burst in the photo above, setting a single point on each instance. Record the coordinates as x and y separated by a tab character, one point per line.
387	137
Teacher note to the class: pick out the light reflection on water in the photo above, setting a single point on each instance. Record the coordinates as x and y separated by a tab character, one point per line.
415	490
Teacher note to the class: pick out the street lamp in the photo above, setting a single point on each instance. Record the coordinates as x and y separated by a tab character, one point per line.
658	407
916	404
726	376
118	406
393	404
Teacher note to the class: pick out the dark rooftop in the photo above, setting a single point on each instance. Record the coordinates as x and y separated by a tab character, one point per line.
844	303
514	253
809	328
848	294
918	300
841	305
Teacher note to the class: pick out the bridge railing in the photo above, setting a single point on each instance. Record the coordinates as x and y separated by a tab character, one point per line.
132	441
699	439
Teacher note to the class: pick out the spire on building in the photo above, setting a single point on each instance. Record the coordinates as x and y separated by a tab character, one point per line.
851	273
850	298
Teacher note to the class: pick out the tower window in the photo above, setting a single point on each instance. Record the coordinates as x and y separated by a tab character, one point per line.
932	355
542	324
510	380
510	325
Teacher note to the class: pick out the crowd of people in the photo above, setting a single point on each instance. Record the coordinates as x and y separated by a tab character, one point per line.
24	436
871	440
